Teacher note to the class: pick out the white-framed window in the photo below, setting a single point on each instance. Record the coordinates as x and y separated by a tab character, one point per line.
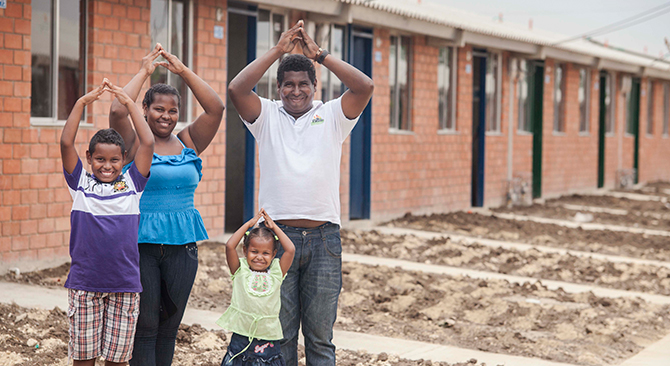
172	26
446	87
650	107
58	58
608	87
666	108
493	85
584	98
269	28
559	97
331	37
523	88
400	82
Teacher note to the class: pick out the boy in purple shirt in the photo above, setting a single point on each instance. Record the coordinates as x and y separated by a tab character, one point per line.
104	280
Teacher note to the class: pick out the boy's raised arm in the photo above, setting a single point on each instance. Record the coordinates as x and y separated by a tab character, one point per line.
68	151
145	150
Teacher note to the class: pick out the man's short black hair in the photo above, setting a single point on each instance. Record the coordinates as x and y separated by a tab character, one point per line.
150	95
106	136
296	62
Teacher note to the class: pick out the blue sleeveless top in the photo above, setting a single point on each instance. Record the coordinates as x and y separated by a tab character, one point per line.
167	212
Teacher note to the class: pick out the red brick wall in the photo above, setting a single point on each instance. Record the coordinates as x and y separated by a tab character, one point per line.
209	62
35	202
570	159
420	171
654	148
34	216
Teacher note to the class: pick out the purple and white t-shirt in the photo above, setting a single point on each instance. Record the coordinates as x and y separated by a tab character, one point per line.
103	240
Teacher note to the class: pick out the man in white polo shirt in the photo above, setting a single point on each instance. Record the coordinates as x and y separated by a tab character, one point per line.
300	147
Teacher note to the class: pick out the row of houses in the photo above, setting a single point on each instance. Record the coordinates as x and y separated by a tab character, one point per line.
466	112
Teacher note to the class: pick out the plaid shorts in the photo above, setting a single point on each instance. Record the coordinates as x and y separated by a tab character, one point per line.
102	324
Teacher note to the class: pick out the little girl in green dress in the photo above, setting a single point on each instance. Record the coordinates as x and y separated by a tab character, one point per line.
253	314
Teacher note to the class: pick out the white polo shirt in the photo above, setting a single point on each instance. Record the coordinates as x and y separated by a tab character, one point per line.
300	160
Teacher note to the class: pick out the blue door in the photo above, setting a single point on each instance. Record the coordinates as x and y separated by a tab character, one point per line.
360	55
478	127
240	144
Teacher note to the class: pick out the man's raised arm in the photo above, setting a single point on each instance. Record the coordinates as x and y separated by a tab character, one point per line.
240	89
360	85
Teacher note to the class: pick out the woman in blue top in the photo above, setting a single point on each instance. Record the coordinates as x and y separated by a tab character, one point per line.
169	223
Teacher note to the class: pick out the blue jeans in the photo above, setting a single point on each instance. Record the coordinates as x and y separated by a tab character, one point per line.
309	293
171	268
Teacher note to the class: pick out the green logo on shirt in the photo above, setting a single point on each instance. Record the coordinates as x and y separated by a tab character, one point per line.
317	120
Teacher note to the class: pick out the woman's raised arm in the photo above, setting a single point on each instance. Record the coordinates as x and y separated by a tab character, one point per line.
199	134
118	113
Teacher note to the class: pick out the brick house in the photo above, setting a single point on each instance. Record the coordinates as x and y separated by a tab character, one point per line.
462	106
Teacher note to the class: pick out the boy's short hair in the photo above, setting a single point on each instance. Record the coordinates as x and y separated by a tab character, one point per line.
106	136
261	232
166	89
296	62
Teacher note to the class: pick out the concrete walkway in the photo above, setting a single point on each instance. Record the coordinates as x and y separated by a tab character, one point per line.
46	298
629	195
573	224
457	271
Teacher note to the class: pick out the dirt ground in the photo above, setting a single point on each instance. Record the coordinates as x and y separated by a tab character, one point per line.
30	337
651	215
654	188
598	241
532	263
493	316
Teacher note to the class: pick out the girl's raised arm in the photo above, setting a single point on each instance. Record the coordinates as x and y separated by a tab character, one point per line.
145	150
231	245
286	243
118	113
67	150
199	134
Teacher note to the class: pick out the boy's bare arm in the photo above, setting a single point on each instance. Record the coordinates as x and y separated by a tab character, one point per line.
68	151
145	151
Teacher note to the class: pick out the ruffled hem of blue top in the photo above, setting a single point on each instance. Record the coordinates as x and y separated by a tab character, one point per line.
172	227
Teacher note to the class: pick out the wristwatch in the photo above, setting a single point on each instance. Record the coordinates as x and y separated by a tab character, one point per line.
321	55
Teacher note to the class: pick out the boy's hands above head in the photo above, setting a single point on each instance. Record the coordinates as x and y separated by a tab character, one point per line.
96	93
120	94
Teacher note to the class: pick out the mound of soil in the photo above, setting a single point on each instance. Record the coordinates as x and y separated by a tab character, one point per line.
634	218
532	263
633	206
495	316
598	241
31	337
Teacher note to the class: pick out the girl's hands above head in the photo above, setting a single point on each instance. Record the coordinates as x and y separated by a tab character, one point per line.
309	48
268	221
251	223
148	64
290	38
96	93
172	63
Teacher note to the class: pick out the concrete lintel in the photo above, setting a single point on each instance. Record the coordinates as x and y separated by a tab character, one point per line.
500	43
316	6
458	41
374	17
619	66
343	16
568	56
